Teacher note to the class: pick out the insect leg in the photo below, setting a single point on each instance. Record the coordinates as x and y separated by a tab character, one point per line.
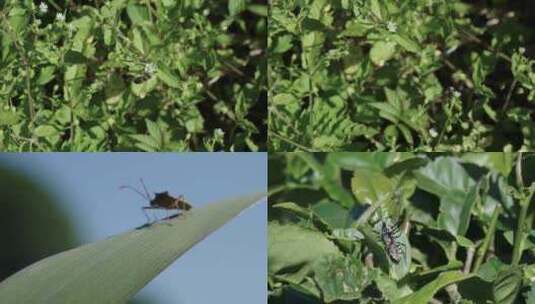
146	214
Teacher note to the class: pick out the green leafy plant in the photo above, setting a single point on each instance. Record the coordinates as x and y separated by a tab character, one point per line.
466	226
127	75
115	269
426	75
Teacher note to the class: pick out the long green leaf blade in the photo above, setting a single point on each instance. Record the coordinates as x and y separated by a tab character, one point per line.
114	269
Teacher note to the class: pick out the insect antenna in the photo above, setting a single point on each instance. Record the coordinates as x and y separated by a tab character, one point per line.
145	195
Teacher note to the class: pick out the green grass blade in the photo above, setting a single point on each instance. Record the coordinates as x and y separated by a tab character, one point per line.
114	269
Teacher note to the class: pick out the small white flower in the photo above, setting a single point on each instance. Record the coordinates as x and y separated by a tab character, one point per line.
219	133
43	8
521	50
71	27
150	68
391	26
37	21
433	132
60	17
456	93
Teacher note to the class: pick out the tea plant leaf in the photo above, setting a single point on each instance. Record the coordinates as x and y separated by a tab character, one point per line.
442	176
426	293
290	246
115	269
371	187
340	278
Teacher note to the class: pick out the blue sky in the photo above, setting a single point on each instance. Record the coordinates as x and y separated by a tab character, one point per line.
230	266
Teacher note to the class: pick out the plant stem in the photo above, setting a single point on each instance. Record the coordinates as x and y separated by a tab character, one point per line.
524	206
287	140
488	237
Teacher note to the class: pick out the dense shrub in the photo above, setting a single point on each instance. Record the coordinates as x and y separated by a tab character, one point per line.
133	75
366	75
401	228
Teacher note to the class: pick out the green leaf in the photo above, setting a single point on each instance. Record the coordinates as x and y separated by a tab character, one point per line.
499	161
168	77
447	179
282	44
8	118
341	278
455	210
46	74
236	6
115	269
426	293
294	249
507	285
382	51
146	143
258	9
370	187
45	131
155	131
115	89
138	14
142	89
407	43
442	176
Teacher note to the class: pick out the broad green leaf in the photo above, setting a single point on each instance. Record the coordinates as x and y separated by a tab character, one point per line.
258	9
236	6
442	176
137	13
507	285
46	74
143	89
115	89
8	118
155	131
530	295
382	51
331	213
499	161
115	269
45	131
371	187
18	20
363	160
146	143
281	45
455	210
294	249
168	77
426	293
340	277
406	43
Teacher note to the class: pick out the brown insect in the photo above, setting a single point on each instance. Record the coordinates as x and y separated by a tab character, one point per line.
161	200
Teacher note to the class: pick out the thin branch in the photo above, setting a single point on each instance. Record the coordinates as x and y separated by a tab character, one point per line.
291	142
482	252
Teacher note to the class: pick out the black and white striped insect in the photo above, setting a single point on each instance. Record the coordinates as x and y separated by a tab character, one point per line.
390	236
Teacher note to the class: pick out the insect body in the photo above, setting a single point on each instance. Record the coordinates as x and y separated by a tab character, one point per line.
390	235
161	200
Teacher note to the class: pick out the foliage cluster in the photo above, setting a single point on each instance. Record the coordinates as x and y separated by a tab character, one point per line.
466	224
127	75
426	75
